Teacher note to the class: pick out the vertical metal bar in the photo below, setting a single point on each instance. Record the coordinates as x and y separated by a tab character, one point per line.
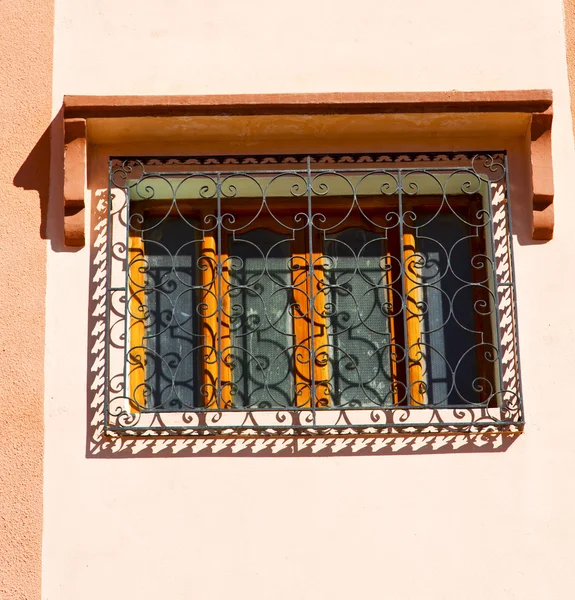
218	290
513	291
403	293
311	292
108	299
495	286
127	313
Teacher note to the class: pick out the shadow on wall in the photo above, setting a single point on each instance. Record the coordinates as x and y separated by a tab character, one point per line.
34	174
100	445
43	171
44	175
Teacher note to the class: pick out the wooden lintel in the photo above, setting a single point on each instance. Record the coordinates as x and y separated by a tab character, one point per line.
527	101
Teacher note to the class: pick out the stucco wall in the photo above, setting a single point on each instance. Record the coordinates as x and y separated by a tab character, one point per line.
469	525
25	111
569	14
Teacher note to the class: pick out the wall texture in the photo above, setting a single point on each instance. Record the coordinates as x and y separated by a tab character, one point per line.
26	47
460	525
569	8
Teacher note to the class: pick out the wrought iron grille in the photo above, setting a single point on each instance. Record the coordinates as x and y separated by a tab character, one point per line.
341	294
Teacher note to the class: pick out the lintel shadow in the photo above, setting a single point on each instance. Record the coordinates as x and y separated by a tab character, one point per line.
278	447
43	171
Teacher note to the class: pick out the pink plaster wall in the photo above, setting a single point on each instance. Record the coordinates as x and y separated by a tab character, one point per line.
439	526
26	40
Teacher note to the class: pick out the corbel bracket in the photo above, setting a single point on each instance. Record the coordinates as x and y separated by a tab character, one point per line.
542	175
74	181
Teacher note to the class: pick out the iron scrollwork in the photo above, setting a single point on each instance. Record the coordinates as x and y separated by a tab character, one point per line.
332	294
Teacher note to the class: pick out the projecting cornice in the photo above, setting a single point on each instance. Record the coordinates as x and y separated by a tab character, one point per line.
528	101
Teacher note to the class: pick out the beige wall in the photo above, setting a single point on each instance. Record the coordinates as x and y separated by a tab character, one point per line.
442	526
569	13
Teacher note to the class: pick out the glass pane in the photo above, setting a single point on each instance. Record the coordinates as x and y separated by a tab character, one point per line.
456	308
171	338
262	356
358	307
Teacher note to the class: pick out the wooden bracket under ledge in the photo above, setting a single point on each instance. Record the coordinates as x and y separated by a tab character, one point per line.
542	175
414	121
74	182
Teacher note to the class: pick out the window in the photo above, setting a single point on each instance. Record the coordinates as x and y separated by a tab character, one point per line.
306	293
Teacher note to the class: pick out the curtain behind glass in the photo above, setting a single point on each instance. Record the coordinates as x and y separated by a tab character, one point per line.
261	323
358	325
172	330
453	321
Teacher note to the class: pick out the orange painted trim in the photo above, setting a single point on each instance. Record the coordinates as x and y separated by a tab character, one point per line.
302	310
217	360
317	290
137	321
413	319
